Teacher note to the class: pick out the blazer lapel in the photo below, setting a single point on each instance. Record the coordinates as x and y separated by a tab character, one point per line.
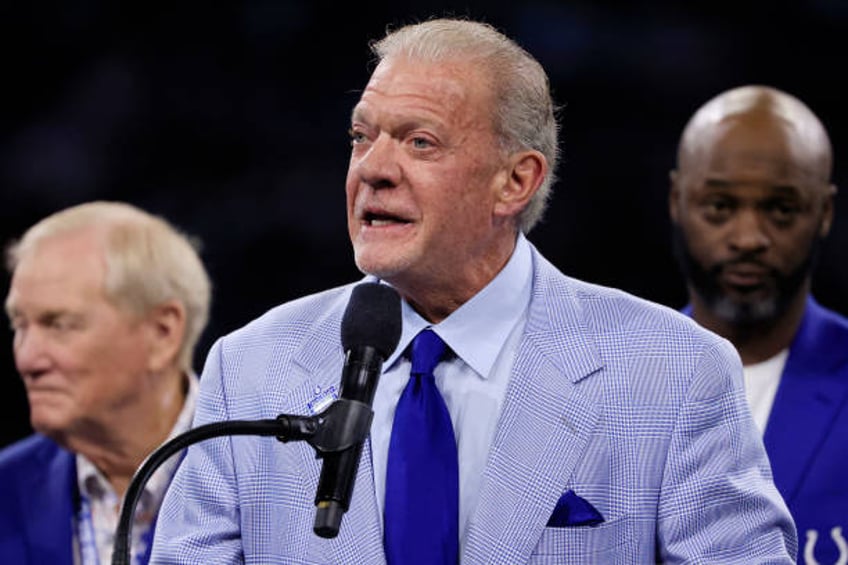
359	539
543	429
807	401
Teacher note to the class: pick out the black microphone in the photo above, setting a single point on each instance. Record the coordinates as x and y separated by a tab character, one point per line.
371	328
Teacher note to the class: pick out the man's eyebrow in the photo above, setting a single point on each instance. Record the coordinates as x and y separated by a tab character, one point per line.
716	183
357	114
783	189
786	190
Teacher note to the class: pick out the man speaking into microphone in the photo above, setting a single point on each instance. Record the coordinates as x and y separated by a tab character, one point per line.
525	416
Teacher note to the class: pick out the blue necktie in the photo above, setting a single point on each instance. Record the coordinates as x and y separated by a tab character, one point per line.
422	475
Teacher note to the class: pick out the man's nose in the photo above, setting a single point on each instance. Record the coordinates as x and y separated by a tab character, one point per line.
379	166
30	351
748	232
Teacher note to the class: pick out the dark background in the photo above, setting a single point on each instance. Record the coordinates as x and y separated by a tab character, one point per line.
230	119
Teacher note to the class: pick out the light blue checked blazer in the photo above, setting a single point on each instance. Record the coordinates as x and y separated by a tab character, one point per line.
629	404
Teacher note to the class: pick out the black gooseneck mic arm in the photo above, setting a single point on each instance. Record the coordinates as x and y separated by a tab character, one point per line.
344	424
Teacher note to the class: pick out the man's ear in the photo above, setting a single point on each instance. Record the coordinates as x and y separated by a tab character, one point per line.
827	212
674	195
525	172
166	329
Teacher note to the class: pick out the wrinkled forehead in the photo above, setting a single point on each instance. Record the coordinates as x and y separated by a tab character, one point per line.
456	79
451	93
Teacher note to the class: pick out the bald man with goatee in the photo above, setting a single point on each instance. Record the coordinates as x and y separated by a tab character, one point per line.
751	201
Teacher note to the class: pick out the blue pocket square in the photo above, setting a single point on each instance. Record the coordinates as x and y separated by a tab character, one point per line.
572	510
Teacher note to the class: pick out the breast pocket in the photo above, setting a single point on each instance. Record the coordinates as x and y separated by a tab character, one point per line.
607	543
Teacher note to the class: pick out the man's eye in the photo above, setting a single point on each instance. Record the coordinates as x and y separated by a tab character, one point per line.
356	136
421	143
783	212
717	210
59	324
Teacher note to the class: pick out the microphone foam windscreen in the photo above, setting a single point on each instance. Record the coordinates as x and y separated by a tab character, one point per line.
372	318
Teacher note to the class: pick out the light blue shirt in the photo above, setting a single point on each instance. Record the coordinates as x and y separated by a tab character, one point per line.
484	333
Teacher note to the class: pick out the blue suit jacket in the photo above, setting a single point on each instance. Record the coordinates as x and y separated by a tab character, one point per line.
38	486
626	403
806	436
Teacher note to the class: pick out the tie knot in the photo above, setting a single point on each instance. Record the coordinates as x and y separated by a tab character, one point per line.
427	350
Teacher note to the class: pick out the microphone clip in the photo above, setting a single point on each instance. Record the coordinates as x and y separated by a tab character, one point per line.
344	424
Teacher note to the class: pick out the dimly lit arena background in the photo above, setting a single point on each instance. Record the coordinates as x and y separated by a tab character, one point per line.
230	119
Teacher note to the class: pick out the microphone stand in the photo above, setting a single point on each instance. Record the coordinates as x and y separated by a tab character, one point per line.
343	425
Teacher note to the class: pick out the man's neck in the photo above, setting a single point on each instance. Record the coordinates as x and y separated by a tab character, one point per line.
118	450
436	297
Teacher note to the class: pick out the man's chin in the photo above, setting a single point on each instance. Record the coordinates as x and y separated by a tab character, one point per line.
379	264
47	422
744	312
748	297
49	429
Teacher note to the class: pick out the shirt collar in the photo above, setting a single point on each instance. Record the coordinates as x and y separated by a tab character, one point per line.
478	329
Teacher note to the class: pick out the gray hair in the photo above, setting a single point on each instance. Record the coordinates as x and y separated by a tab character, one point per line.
524	113
148	261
